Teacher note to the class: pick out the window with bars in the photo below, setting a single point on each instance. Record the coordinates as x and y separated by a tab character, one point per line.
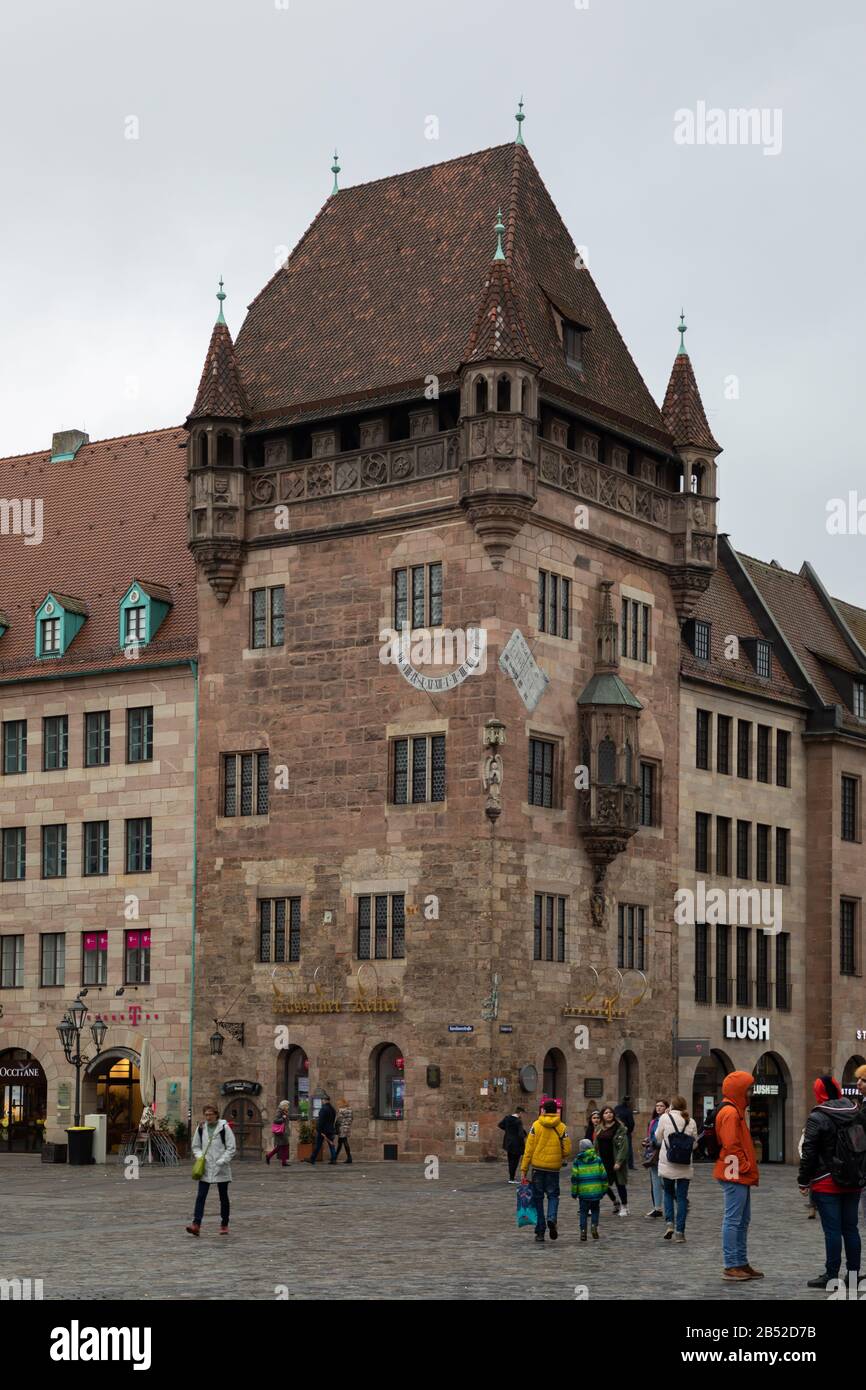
744	835
11	962
268	616
136	957
14	853
850	807
135	624
762	853
702	739
139	845
763	754
418	596
279	930
649	798
635	626
723	743
702	641
631	937
783	972
94	958
744	964
723	845
14	746
97	739
548	933
744	748
702	842
849	953
139	734
723	963
542	767
418	769
782	844
95	847
246	784
54	851
381	926
762	972
702	963
763	662
554	604
52	959
55	742
783	758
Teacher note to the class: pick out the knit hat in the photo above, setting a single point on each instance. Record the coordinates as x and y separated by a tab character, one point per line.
826	1088
584	1145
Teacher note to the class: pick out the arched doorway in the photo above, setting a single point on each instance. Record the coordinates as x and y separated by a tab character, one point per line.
245	1119
295	1084
767	1109
628	1079
554	1078
707	1085
389	1082
116	1075
23	1101
849	1080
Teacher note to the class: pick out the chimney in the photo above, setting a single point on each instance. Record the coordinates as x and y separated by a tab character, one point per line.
66	443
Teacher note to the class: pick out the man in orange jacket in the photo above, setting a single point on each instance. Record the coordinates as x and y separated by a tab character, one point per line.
737	1171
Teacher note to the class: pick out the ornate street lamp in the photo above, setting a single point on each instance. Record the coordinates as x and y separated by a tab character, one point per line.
216	1044
69	1032
97	1032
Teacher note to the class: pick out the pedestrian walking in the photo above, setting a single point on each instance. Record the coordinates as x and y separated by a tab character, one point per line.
213	1146
833	1167
675	1137
343	1125
860	1078
651	1160
281	1128
547	1148
812	1210
513	1140
611	1142
625	1115
588	1185
736	1170
326	1129
592	1123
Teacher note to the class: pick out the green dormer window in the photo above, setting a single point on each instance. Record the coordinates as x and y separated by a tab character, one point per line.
4	624
58	621
142	609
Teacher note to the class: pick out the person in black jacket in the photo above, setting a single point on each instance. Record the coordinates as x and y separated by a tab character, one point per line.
625	1115
326	1128
835	1194
513	1140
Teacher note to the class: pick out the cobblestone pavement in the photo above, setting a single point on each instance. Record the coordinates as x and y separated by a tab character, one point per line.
373	1231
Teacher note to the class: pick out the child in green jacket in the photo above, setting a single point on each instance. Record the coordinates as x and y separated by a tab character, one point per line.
589	1183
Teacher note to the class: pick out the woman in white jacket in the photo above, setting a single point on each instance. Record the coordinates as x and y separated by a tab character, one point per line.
675	1176
215	1143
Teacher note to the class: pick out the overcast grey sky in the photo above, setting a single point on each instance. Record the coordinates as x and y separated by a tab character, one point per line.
110	247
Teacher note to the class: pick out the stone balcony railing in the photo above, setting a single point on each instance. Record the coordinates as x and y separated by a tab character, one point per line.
360	470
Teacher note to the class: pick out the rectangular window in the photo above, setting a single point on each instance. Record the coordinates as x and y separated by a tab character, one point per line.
268	616
279	930
139	734
55	743
723	964
418	769
136	957
782	842
702	842
548	934
858	703
762	659
246	784
11	962
97	739
572	339
762	978
54	851
14	746
762	771
723	743
95	848
849	946
850	808
94	957
783	758
636	627
744	748
381	926
702	739
762	854
723	845
134	624
649	801
702	640
52	959
554	604
139	835
50	636
631	941
744	965
702	963
418	596
14	853
541	768
744	835
783	974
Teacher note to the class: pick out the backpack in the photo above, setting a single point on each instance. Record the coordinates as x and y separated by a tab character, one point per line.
709	1133
680	1145
848	1160
222	1134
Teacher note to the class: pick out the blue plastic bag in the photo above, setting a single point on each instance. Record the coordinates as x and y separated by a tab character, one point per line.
526	1214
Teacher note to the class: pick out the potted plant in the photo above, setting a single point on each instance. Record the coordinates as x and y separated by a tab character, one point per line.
306	1138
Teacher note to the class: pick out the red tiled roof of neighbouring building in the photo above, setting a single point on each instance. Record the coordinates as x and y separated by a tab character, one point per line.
220	392
683	409
115	513
387	283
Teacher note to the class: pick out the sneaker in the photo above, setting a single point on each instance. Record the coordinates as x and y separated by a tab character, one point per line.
193	1229
820	1283
554	1233
753	1273
652	1214
623	1211
224	1230
669	1233
679	1237
583	1234
595	1233
539	1239
735	1274
512	1182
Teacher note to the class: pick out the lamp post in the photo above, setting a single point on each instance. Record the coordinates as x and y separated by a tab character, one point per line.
69	1032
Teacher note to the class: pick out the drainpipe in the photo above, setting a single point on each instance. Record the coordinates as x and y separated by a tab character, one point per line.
193	666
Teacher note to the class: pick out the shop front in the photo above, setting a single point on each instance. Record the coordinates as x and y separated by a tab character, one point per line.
118	1097
767	1109
707	1085
23	1102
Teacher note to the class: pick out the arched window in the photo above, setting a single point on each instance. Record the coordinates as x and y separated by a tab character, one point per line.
201	445
225	450
296	1079
480	395
607	761
389	1085
503	393
555	1078
848	1077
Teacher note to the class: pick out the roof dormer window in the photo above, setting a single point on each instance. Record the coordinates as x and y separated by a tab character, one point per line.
142	609
134	623
858	703
572	341
763	659
50	636
58	620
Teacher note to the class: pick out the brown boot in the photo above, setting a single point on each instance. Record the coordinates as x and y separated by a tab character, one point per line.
735	1273
194	1229
753	1273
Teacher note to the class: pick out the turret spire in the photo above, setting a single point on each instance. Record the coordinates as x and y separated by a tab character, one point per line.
335	169
221	296
499	254
520	118
682	330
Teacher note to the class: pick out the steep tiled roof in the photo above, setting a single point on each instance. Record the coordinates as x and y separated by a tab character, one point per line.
683	409
855	618
386	284
220	392
115	512
497	331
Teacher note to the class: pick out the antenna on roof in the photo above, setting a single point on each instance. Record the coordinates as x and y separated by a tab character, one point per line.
499	254
335	169
520	118
221	296
682	330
